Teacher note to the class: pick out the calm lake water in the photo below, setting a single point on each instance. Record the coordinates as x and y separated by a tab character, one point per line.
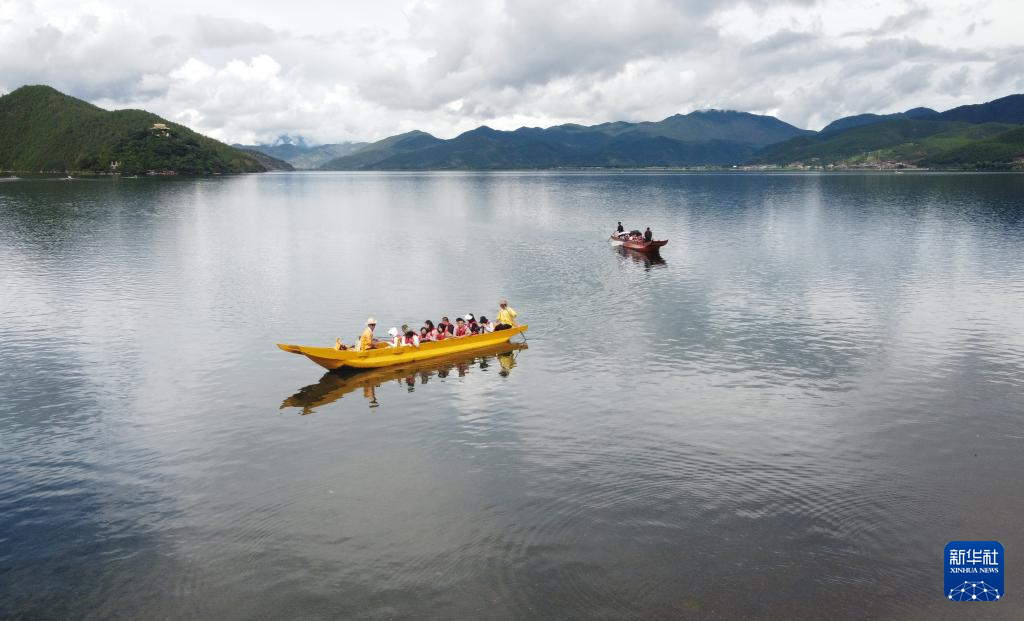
820	385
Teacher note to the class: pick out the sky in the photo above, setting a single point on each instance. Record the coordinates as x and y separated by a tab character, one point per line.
335	71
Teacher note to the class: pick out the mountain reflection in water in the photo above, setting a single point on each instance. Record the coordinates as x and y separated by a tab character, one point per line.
336	384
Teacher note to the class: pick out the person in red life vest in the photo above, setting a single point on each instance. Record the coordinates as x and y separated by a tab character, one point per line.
431	331
424	334
411	338
461	329
443	324
474	327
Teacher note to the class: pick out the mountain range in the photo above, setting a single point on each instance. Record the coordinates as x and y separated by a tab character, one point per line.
708	137
42	129
980	136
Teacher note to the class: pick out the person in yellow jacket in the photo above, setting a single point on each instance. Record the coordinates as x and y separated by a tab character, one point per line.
366	339
506	316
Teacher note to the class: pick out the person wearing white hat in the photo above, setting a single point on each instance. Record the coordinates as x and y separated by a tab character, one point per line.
395	339
366	340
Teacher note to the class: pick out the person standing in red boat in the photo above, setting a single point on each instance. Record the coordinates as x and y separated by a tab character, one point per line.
648	235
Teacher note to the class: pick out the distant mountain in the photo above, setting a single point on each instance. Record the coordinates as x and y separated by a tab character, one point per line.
270	163
709	126
698	138
372	155
859	120
297	152
1004	110
919	137
911	141
42	129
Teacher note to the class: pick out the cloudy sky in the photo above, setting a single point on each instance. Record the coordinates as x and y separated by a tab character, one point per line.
337	70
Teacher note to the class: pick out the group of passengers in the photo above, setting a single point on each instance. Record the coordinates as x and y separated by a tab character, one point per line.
634	235
467	325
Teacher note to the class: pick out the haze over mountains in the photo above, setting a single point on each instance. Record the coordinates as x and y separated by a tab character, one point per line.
299	153
42	129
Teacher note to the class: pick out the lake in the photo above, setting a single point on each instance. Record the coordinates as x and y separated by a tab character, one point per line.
789	415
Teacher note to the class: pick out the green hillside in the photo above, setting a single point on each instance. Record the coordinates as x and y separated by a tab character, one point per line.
998	152
42	129
269	162
912	141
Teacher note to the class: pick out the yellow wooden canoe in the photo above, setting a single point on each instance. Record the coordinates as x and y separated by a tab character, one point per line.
331	359
335	385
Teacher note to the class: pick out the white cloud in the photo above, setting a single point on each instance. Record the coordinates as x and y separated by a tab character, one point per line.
230	32
100	49
355	71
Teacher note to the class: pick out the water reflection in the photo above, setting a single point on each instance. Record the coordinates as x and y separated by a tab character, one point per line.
641	258
335	385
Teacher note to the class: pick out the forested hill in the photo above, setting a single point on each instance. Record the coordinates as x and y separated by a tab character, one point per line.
869	118
42	129
984	136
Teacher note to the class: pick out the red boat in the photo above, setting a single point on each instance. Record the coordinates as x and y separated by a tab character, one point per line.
636	242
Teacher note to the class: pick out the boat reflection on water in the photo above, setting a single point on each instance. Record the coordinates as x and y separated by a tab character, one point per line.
336	384
647	259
